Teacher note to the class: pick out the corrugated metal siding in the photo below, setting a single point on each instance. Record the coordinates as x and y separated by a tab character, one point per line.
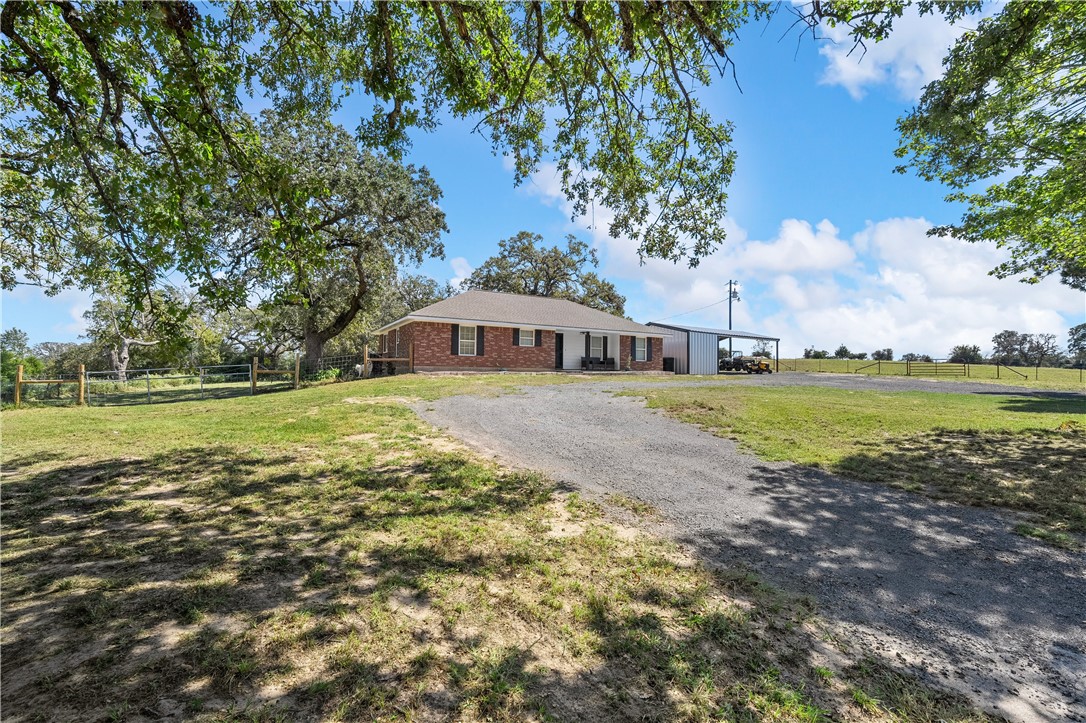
703	351
675	346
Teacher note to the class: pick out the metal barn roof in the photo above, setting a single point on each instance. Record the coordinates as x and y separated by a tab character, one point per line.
732	333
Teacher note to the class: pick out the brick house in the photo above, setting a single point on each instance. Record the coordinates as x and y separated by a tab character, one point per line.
491	331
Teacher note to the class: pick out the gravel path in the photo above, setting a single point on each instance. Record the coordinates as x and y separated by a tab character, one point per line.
946	590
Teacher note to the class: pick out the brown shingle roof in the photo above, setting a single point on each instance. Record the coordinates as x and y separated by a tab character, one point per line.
492	307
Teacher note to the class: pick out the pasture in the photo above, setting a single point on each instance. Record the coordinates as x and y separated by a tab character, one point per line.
1019	452
325	554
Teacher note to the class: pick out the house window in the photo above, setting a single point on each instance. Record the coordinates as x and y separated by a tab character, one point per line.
467	340
596	347
527	337
639	348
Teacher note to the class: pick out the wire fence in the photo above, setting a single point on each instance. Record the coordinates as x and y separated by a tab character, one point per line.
168	384
1059	375
347	367
46	390
148	386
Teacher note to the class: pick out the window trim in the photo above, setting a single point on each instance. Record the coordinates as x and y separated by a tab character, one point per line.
641	344
592	343
520	337
460	340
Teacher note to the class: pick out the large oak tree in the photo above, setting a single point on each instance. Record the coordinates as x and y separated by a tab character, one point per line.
523	265
119	117
345	219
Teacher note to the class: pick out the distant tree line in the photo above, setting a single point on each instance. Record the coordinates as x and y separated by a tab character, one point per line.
1010	348
336	313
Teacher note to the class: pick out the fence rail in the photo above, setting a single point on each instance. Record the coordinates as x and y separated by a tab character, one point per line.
1058	375
166	384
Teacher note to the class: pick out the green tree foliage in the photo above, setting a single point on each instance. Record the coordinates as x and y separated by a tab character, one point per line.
15	351
1076	343
1007	114
812	353
117	329
1009	347
62	358
886	354
914	357
344	217
842	352
523	265
126	115
394	299
1015	348
1040	347
761	349
15	341
966	354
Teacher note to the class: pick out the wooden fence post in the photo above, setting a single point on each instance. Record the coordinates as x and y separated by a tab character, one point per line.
252	377
18	385
297	371
365	361
82	385
411	357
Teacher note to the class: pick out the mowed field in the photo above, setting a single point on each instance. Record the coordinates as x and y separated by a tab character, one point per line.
323	554
1033	377
1019	452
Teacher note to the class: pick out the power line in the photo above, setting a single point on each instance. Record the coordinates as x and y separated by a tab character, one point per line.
693	310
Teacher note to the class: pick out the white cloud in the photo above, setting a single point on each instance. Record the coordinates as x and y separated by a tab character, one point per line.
78	302
798	247
890	285
461	270
925	295
910	58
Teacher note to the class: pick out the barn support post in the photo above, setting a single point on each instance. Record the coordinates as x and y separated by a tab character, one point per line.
777	356
18	385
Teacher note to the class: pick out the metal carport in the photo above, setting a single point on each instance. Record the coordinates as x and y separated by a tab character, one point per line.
694	348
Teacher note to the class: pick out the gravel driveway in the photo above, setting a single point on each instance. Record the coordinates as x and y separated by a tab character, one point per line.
947	590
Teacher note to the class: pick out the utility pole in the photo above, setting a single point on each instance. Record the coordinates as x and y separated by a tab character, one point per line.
733	294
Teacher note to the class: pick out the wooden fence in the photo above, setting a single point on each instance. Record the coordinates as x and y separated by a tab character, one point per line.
81	383
253	371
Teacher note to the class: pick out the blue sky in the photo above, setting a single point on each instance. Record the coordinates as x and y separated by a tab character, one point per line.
829	244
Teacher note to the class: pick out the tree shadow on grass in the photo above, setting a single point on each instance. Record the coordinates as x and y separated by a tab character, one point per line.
1048	403
1039	472
108	564
233	585
945	590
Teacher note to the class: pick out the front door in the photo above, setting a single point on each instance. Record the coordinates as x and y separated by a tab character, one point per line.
558	345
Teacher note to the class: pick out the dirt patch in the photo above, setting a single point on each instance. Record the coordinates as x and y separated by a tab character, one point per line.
380	400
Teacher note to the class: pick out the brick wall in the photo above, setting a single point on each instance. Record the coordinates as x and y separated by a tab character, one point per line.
657	363
433	350
397	342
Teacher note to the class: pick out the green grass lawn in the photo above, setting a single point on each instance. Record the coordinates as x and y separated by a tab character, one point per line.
323	554
1032	377
1017	452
